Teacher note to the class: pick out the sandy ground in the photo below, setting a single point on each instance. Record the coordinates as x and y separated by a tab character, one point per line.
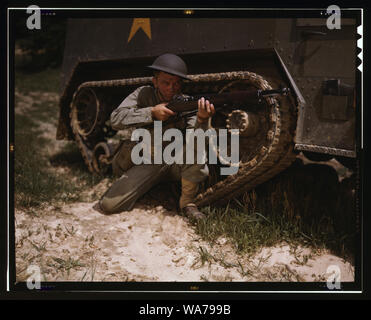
76	242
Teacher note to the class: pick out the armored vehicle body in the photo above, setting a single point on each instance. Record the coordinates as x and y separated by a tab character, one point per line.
105	60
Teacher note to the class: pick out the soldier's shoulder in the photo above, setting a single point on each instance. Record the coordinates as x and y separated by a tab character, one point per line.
147	96
142	90
146	90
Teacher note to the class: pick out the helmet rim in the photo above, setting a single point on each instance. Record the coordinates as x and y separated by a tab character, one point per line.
175	66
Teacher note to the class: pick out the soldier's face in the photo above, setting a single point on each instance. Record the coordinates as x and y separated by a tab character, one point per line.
168	84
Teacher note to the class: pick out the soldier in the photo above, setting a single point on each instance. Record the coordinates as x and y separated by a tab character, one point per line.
143	106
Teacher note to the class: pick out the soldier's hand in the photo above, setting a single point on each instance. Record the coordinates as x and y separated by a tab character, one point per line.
205	110
160	112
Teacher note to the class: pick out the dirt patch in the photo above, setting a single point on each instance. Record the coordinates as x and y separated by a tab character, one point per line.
78	243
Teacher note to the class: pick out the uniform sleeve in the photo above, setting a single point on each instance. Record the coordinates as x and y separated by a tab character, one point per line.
128	114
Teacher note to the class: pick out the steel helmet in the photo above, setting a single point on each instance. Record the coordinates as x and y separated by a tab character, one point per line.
170	63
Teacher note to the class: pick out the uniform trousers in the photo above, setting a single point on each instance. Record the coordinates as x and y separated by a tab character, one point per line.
139	179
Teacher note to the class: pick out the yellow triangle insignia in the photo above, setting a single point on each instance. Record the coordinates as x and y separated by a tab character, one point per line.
140	23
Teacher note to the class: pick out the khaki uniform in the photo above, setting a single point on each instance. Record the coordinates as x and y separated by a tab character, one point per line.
136	180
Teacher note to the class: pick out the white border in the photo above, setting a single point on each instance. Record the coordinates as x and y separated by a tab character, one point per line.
163	291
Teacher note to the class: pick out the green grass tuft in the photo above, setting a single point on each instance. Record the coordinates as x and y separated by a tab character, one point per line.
305	205
35	179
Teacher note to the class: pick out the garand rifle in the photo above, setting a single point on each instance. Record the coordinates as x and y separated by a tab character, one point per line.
186	105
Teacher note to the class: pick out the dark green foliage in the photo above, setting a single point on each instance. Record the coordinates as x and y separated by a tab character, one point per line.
36	180
39	49
47	80
33	181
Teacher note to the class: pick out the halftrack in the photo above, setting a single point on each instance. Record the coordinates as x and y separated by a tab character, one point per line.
105	60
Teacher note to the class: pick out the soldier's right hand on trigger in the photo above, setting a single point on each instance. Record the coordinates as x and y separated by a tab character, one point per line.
160	112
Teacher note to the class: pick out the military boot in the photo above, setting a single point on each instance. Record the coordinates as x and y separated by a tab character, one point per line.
186	202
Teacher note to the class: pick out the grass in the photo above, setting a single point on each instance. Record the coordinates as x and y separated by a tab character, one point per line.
33	182
248	230
69	156
36	181
47	80
293	208
204	256
66	265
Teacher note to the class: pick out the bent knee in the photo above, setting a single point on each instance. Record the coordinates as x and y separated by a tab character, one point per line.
106	206
110	206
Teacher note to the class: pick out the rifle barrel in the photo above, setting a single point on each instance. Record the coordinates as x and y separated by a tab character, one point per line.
251	96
